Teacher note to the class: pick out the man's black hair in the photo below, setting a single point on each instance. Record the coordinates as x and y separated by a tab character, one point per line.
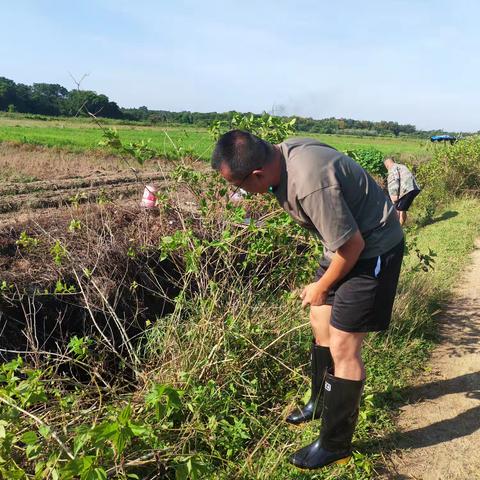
243	152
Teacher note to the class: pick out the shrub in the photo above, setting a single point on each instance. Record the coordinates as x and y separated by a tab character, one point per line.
271	129
456	168
370	158
453	171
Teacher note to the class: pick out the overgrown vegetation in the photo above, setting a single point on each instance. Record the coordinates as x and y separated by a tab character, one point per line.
176	341
370	158
453	170
272	129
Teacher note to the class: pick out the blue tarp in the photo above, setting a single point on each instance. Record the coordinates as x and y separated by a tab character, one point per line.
443	138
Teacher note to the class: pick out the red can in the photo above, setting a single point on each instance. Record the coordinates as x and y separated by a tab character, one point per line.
149	198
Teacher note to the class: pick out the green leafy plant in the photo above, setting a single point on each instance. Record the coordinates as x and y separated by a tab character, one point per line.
189	469
79	346
103	197
74	225
76	199
63	288
164	400
425	260
370	158
87	272
59	252
27	242
6	287
111	139
270	128
141	151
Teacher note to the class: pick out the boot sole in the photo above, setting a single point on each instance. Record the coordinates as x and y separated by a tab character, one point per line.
340	461
303	422
299	424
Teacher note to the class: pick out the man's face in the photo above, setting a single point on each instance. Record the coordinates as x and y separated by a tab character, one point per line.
255	182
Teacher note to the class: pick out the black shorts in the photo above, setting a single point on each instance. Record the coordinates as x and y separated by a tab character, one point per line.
362	301
403	203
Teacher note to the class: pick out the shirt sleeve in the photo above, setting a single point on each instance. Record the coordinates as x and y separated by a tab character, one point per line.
330	215
394	182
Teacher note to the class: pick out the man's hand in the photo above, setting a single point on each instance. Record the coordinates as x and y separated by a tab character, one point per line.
314	295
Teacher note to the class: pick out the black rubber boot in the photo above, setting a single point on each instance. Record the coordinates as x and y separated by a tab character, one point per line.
321	360
340	413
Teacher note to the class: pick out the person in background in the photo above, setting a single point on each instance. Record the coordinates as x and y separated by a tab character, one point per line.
402	187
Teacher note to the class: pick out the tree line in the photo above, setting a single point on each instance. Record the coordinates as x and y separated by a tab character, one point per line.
55	100
326	125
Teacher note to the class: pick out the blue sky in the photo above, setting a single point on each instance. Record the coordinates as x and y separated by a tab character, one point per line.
408	61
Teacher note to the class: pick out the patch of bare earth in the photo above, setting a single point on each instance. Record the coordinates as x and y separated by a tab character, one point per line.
24	162
34	178
440	427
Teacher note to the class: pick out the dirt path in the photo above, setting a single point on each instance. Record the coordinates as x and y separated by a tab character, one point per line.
440	427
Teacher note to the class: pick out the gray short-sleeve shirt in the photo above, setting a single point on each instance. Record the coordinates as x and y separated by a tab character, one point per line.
328	193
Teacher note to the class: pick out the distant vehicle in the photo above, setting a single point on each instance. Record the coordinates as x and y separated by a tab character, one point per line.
443	138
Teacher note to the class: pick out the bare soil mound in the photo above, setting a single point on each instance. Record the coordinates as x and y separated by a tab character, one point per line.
440	428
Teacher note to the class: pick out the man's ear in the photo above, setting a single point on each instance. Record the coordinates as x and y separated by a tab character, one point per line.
259	173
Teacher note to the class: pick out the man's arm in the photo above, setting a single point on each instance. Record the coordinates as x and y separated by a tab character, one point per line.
342	262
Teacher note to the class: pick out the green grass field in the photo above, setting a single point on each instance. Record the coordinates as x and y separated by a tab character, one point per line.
80	134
